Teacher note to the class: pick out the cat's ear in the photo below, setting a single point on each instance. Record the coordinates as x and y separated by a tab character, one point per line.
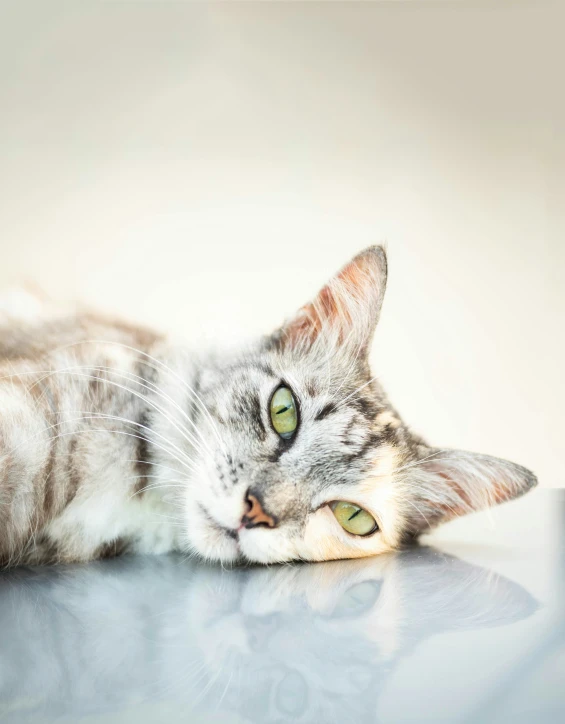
446	484
346	311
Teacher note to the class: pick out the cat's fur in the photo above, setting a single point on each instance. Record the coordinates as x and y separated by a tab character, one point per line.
112	439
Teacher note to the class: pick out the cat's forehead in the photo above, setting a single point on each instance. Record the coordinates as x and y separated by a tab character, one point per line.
308	376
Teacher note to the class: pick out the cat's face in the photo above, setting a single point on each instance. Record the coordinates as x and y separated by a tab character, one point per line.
303	457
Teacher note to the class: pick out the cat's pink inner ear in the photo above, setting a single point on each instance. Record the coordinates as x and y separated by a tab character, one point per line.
466	482
347	307
461	501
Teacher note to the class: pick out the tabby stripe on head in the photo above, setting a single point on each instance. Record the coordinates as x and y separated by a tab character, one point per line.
255	409
263	367
328	409
373	441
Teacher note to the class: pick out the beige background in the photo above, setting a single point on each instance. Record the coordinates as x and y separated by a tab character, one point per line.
205	167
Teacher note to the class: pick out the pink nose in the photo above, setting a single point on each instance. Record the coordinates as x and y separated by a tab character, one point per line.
255	515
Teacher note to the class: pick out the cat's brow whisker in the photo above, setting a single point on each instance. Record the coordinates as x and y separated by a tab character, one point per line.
328	374
352	366
342	402
417	508
409	466
421	461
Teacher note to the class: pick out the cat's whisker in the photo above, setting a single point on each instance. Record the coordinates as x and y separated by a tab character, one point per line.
366	384
164	366
147	384
210	683
351	368
155	388
410	502
328	374
103	430
170	517
187	436
87	415
71	371
423	460
176	524
158	465
226	688
144	477
156	486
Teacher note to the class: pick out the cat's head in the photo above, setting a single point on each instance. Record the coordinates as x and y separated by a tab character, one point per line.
303	457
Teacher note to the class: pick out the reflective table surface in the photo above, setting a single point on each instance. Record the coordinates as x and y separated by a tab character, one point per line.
467	627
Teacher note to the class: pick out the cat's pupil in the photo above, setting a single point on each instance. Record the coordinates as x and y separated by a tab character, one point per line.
353	518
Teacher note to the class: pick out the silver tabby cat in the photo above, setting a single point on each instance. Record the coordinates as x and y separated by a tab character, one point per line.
112	439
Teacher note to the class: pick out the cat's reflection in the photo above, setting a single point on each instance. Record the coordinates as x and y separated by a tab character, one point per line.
307	643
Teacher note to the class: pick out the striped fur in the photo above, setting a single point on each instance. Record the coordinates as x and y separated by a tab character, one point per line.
114	439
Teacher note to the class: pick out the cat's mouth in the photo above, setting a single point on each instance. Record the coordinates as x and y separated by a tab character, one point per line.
231	533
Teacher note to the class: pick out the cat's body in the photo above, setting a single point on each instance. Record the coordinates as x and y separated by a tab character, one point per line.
72	473
113	439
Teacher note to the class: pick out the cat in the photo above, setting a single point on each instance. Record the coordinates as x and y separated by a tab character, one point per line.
113	439
170	639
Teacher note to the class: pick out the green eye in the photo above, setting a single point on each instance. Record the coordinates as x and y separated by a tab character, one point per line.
354	519
283	413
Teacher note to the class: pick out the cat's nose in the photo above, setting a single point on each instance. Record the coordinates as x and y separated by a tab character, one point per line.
256	515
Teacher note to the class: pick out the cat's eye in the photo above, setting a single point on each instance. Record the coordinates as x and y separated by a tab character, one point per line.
284	415
354	519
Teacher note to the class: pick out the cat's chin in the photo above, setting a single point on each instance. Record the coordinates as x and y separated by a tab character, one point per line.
266	546
213	543
223	550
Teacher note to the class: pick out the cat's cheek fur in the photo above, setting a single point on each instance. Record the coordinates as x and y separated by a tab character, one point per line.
324	539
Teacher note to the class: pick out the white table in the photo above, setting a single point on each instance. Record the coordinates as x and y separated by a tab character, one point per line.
469	630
